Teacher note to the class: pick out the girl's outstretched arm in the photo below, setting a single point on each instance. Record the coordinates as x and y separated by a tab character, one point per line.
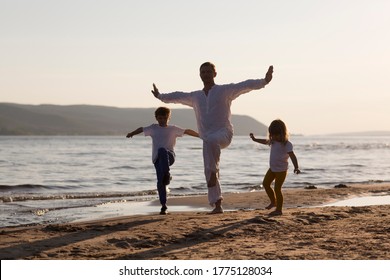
261	141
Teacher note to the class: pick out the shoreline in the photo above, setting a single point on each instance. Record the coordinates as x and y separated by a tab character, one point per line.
244	231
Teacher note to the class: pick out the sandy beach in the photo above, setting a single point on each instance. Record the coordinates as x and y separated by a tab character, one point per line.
244	232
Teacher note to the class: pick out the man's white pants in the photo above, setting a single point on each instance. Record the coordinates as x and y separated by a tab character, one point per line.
212	145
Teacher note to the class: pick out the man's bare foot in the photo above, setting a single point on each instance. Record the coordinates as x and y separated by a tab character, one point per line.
218	207
275	213
270	206
217	210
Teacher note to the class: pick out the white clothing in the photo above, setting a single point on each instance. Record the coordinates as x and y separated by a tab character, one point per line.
213	116
212	112
212	146
163	137
279	156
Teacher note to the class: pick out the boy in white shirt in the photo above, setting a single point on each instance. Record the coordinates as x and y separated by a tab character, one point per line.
163	155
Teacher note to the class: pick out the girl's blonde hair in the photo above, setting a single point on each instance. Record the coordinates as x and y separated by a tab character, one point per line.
278	128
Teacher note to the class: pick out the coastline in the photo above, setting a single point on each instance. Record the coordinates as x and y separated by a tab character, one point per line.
244	231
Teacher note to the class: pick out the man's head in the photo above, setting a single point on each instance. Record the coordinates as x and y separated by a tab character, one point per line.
207	72
162	115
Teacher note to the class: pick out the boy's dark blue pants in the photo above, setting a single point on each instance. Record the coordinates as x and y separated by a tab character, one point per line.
165	158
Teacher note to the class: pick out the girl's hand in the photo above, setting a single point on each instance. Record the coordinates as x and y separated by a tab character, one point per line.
251	136
297	171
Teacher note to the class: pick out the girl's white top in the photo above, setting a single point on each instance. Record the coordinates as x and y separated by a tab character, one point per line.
279	156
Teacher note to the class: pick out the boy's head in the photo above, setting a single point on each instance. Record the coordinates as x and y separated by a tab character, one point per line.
162	115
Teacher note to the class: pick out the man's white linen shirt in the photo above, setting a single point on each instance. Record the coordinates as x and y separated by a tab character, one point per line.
213	112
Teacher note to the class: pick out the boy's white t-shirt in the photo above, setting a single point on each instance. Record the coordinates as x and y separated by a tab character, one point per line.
163	137
279	156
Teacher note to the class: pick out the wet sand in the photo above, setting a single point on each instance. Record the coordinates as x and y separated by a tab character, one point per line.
244	232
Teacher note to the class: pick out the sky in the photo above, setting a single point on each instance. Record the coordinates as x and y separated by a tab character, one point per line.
331	58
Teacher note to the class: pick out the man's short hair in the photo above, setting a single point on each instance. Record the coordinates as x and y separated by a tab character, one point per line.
208	64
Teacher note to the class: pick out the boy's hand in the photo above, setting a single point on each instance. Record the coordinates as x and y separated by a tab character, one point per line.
155	91
129	135
297	171
251	136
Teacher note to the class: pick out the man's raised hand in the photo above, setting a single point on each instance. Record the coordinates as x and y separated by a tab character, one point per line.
268	75
155	91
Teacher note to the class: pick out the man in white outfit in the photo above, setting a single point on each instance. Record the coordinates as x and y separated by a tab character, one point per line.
212	111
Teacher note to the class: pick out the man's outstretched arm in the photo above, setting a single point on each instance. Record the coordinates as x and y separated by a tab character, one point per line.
173	97
268	75
155	91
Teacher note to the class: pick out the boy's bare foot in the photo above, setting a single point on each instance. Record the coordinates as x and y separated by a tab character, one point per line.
272	205
164	210
275	213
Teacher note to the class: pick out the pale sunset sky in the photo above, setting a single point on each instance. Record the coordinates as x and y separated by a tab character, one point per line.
331	58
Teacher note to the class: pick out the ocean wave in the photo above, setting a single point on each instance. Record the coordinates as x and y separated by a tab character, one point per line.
124	167
21	187
194	148
344	146
181	189
330	184
36	197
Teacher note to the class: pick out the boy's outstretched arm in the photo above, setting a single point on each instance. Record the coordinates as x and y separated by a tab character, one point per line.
191	132
135	132
261	141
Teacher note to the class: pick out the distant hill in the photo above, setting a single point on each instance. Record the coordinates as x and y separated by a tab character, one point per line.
18	119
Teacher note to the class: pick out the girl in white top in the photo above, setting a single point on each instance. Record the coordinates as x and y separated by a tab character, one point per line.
281	151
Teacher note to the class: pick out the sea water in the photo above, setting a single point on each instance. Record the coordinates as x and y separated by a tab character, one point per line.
49	179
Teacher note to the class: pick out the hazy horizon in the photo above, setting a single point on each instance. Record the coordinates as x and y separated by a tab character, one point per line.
362	132
331	58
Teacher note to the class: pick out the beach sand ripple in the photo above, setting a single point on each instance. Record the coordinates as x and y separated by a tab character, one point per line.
246	231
